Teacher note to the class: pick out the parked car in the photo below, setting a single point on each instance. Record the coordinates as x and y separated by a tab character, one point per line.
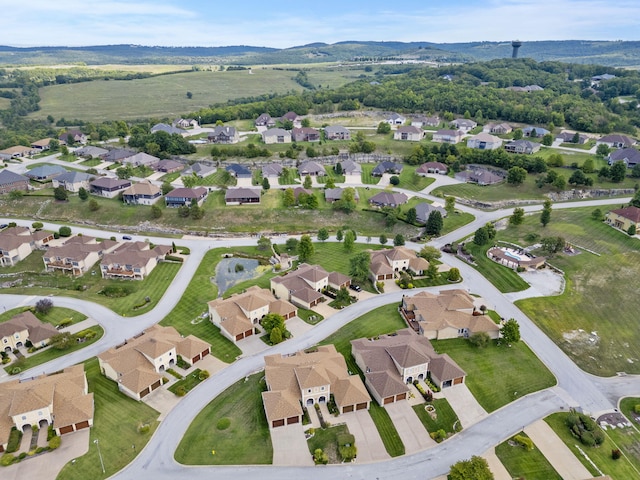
3	226
355	287
126	237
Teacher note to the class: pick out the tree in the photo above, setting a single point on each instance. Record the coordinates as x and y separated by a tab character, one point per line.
338	168
83	194
450	205
491	230
547	140
323	234
555	160
635	171
394	180
589	166
553	245
347	202
477	468
349	240
575	138
383	127
124	172
398	240
156	211
273	321
61	341
517	134
307	182
275	336
166	187
329	183
432	271
517	217
305	248
632	230
292	244
60	194
545	216
603	150
383	239
560	183
578	178
189	95
343	296
635	201
481	236
454	275
264	243
359	266
196	212
412	215
37	225
94	206
510	331
64	231
44	306
189	181
16	194
597	215
265	184
429	253
289	198
516	176
480	339
339	235
434	223
184	211
618	172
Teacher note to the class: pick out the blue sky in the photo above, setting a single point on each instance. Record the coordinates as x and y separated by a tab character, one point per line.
284	24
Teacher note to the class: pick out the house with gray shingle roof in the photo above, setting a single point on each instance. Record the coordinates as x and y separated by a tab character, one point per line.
630	156
336	132
45	172
388	199
73	181
10	181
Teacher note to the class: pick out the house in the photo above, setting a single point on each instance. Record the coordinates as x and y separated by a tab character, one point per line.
265	120
623	218
108	187
390	362
140	159
349	167
271	170
526	88
77	255
61	400
200	170
302	286
10	181
432	167
386	263
616	141
143	193
44	173
170	129
304	379
630	156
522	146
73	181
305	134
450	314
181	197
117	155
497	128
138	365
463	124
224	135
534	132
387	167
185	123
568	137
291	117
484	141
17	243
604	76
299	191
41	145
408	133
447	136
334	194
238	171
17	151
423	210
276	135
238	315
311	168
395	119
336	132
22	328
72	136
169	166
90	152
241	196
132	260
479	175
422	121
388	199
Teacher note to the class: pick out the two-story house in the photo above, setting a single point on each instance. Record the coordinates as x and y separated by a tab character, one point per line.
132	260
143	193
77	255
224	135
180	197
22	328
276	135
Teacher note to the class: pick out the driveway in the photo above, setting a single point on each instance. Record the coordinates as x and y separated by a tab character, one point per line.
352	179
544	283
368	441
290	446
464	404
252	345
411	430
297	326
496	466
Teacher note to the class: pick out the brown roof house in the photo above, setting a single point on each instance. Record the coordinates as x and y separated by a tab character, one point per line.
408	133
71	136
62	400
497	128
302	287
133	261
10	181
16	151
623	218
41	145
388	199
185	196
308	378
311	168
108	187
484	141
143	193
241	196
77	255
390	362
139	363
447	315
16	243
336	132
447	136
305	134
25	327
169	166
432	167
386	262
463	124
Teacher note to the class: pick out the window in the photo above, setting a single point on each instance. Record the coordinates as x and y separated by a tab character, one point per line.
24	417
322	388
309	391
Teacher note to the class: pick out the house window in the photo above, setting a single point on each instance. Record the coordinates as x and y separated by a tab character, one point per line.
322	388
24	417
39	414
309	391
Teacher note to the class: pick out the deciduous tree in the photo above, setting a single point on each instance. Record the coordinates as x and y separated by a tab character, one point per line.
359	266
510	331
305	248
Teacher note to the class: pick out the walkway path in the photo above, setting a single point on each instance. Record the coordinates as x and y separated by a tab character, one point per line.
464	404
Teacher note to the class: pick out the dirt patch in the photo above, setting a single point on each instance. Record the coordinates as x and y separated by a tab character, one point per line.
581	339
613	419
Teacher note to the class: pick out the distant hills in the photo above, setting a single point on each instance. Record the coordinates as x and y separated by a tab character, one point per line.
612	53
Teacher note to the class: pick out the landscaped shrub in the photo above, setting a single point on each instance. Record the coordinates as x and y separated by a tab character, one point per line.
181	363
14	440
332	407
50	432
181	391
54	443
223	423
144	428
585	429
319	457
116	291
523	441
438	436
171	258
636	408
616	454
7	459
64	323
380	286
174	373
203	375
16	370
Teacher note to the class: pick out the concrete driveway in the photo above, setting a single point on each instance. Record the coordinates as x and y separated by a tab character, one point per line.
298	327
290	446
496	466
411	430
368	441
464	404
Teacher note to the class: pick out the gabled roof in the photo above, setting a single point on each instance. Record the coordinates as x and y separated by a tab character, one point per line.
110	182
237	169
389	198
163	127
142	188
241	193
7	177
74	177
630	213
351	167
310	167
271	170
184	192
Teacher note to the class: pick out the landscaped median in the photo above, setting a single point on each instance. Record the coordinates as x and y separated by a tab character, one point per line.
523	459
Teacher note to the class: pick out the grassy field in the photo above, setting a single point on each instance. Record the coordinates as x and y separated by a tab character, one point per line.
522	463
327	440
116	421
411	181
446	418
503	278
497	375
387	430
54	316
245	442
626	407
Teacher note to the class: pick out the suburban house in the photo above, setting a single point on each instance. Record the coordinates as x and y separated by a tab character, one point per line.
423	210
73	181
447	136
90	152
61	400
395	119
526	88
336	132
185	123
484	141
334	194
265	120
388	199
241	195
522	146
432	167
17	243
17	151
22	328
117	155
422	121
169	166
132	260
616	141
463	124
623	218
568	137
200	170
271	170
311	168
143	193
10	181
291	117
387	167
390	362
305	134
76	136
302	286
300	190
497	128
44	173
238	315
140	159
409	133
479	175
41	145
108	187
224	135
138	365
309	378
387	262
450	314
600	78
349	167
534	132
630	156
77	255
170	129
181	197
276	135
238	171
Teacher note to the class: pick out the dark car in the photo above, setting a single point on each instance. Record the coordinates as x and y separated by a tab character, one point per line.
3	226
126	237
355	287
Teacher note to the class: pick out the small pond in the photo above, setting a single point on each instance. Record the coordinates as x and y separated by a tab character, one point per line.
233	270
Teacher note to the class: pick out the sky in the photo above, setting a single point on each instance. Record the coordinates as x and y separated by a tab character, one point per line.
283	24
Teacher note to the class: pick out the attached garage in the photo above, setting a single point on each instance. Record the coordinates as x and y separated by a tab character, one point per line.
195	359
277	423
347	409
144	392
205	353
402	396
81	425
361	406
458	380
67	429
1	448
388	400
156	385
292	420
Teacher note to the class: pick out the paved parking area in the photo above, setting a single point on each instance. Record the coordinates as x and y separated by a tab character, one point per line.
464	404
290	446
412	433
368	441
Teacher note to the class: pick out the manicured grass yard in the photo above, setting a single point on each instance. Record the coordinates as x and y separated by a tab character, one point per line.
497	375
626	407
54	316
445	419
245	442
334	258
327	440
115	424
367	178
411	181
503	278
387	430
188	383
522	463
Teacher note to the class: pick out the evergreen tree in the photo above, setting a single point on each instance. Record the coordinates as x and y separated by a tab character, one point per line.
434	223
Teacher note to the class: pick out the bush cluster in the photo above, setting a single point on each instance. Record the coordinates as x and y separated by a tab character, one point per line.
585	428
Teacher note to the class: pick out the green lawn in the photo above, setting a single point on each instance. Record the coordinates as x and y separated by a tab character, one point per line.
188	383
387	430
497	375
333	257
367	178
306	315
54	316
115	424
245	442
327	440
626	407
455	221
522	463
446	419
411	181
289	177
503	278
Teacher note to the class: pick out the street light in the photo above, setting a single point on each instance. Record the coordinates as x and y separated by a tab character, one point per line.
99	454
